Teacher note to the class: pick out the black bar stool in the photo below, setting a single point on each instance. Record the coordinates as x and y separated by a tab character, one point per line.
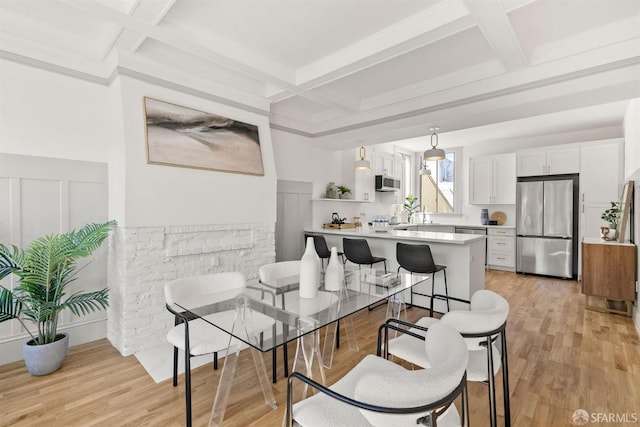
357	251
321	247
418	259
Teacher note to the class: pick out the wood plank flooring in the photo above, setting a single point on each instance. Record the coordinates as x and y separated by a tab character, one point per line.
561	358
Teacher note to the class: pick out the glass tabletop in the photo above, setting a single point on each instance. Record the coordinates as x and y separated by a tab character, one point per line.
268	316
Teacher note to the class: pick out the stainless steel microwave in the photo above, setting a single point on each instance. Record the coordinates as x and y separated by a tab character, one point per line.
386	183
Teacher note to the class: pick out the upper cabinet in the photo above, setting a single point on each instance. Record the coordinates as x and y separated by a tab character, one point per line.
600	182
384	164
492	180
387	164
548	161
601	171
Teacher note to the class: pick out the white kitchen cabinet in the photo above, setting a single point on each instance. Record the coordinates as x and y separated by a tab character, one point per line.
492	179
360	182
383	164
548	161
501	253
600	171
600	184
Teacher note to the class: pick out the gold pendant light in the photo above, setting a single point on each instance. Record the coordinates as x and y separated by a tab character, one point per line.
434	153
363	164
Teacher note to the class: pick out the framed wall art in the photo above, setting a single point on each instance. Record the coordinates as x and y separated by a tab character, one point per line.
626	200
184	137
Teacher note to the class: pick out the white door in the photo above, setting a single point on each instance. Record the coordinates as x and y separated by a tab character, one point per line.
293	216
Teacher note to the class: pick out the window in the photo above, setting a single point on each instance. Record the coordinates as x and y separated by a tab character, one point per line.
438	184
406	176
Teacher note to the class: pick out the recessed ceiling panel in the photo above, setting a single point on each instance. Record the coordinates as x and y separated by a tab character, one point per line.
463	50
57	25
163	54
545	21
292	32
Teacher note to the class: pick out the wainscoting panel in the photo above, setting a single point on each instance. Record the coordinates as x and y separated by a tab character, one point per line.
41	196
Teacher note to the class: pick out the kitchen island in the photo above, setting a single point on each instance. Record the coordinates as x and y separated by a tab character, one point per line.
463	254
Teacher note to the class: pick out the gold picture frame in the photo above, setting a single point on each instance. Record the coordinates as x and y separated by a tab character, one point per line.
625	207
185	137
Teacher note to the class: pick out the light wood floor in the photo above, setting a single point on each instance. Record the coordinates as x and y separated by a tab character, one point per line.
561	356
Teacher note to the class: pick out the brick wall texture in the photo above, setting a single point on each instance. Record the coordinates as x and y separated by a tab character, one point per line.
142	260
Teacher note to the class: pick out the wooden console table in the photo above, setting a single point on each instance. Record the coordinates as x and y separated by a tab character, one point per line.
609	272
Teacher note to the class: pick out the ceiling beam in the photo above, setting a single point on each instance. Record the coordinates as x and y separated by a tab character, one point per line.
435	23
174	39
151	11
496	28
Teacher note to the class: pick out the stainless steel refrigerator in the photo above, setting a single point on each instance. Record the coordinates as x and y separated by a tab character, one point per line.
546	225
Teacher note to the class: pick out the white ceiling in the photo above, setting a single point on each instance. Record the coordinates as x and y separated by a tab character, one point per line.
353	72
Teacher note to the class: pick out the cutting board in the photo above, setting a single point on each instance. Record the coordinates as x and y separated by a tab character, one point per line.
339	226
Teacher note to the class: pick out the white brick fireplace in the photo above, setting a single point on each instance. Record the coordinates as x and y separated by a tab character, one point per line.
143	259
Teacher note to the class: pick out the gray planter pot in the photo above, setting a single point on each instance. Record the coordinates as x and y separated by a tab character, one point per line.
47	358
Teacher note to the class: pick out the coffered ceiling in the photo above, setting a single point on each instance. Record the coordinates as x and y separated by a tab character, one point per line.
351	72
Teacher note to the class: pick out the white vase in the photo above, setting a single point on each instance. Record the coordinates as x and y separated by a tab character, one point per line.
309	271
334	274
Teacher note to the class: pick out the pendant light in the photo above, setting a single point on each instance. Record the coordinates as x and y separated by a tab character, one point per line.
434	153
424	170
363	164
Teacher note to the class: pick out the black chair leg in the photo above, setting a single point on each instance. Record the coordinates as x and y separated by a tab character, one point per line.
505	381
187	386
446	290
175	366
285	354
274	368
492	385
433	279
215	361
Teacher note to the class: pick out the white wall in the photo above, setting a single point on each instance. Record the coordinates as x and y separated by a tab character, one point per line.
164	195
296	159
50	115
632	171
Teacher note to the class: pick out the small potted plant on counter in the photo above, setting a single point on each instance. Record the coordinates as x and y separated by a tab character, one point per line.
45	269
344	192
612	215
411	206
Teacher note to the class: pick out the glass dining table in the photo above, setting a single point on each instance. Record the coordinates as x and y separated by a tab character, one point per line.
273	315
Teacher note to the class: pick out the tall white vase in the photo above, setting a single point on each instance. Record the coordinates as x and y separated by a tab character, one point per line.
334	274
309	271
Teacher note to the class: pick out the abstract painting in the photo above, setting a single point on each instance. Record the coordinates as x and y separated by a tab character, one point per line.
184	137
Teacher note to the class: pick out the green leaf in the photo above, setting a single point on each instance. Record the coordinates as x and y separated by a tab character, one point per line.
45	269
9	307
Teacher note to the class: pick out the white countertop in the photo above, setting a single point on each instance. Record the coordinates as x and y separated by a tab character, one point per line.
456	225
601	241
422	236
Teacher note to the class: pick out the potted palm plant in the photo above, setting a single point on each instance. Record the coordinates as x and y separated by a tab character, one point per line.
45	269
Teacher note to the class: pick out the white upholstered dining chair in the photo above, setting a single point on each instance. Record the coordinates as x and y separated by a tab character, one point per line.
484	323
192	335
381	393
